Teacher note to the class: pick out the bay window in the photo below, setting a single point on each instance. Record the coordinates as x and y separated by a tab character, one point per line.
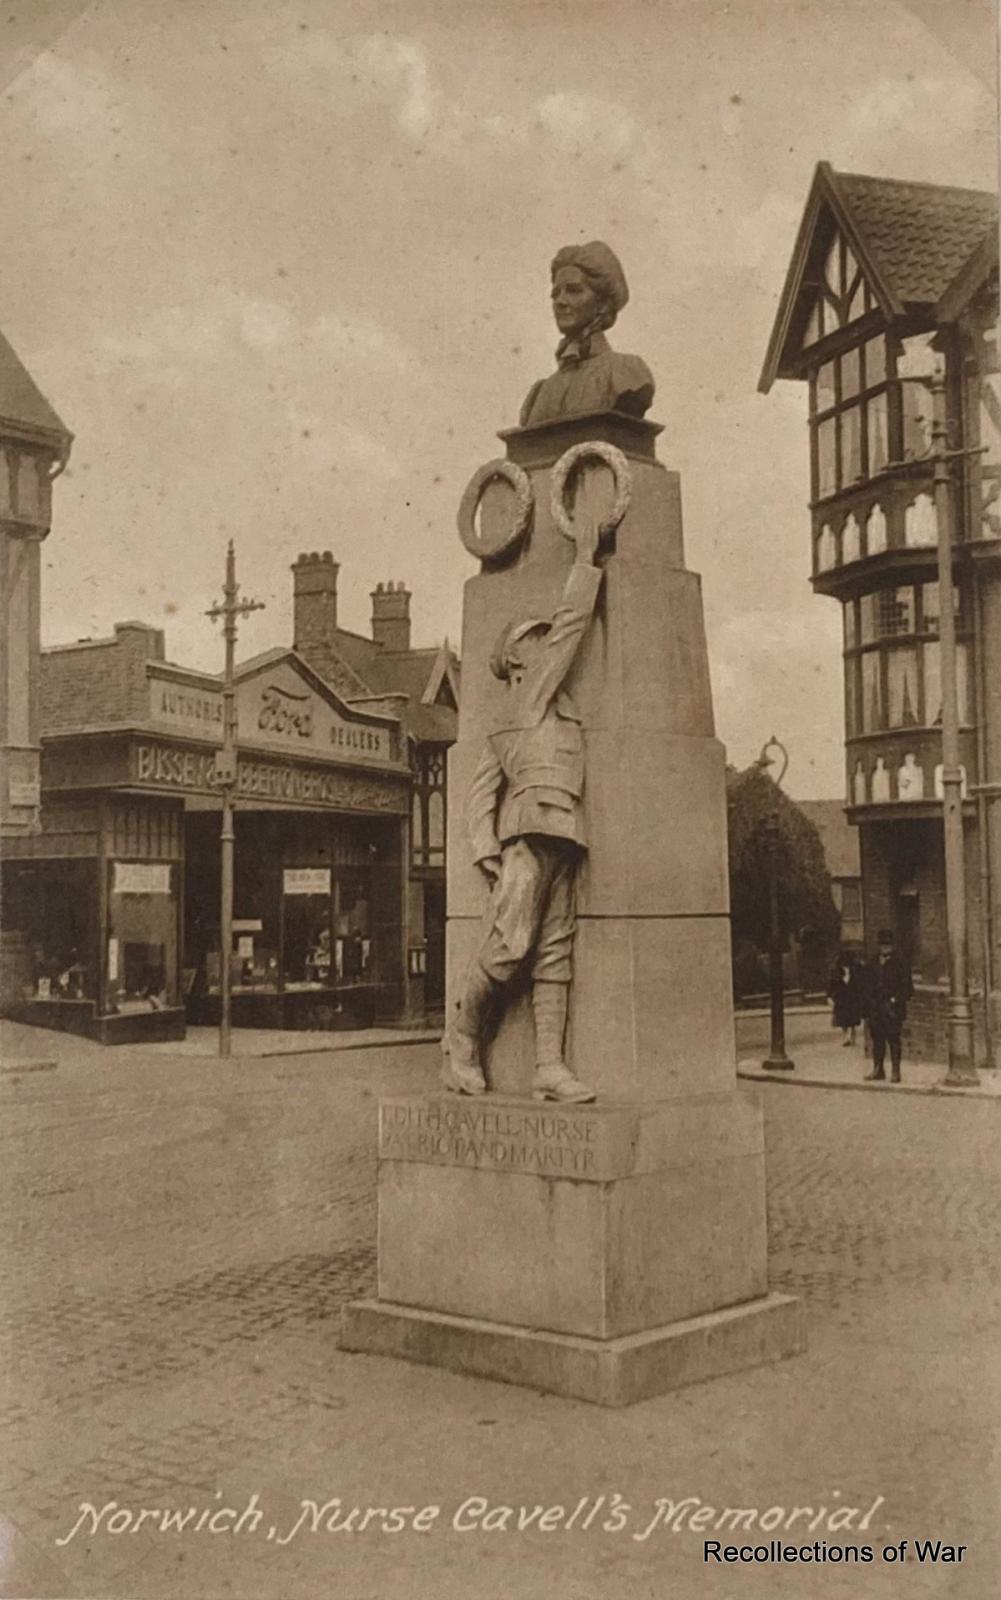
893	673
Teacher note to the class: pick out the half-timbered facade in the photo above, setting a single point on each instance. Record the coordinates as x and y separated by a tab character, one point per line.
889	282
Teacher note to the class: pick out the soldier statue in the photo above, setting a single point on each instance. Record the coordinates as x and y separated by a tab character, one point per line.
526	827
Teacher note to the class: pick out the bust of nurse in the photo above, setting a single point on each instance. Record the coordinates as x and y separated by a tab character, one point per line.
589	290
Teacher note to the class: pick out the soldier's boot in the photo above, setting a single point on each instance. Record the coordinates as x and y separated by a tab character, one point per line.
461	1069
553	1079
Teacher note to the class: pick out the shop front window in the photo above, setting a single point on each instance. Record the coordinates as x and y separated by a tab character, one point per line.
327	937
54	904
307	928
352	927
141	970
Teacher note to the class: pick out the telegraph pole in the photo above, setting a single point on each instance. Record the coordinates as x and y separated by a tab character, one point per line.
230	608
962	1067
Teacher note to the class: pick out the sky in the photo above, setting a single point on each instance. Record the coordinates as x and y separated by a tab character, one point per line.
282	268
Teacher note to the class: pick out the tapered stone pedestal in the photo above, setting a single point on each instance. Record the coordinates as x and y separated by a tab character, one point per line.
612	1251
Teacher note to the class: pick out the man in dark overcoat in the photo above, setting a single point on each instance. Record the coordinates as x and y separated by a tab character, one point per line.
886	989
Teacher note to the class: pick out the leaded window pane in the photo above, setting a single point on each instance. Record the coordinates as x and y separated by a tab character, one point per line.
851	637
895	612
869	614
876	425
825	386
436	822
417	826
850	374
932	669
902	688
827	480
872	693
851	445
851	539
851	678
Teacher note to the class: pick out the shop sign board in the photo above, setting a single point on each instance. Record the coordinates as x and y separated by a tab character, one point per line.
141	877
306	880
276	709
159	765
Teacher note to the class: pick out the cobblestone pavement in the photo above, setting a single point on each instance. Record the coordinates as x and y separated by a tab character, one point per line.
180	1235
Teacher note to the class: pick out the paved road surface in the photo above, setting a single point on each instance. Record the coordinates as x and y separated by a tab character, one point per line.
179	1237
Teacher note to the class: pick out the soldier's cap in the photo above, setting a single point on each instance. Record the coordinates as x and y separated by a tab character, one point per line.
509	635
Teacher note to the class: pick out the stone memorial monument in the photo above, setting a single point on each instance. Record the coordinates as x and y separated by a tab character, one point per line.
581	1207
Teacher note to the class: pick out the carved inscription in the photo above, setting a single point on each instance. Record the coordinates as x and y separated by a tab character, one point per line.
510	1138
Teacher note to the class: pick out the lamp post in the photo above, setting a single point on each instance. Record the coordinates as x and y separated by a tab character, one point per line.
962	1067
776	1060
230	608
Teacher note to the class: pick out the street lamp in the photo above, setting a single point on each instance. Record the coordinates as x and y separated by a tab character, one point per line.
962	1068
230	608
776	1060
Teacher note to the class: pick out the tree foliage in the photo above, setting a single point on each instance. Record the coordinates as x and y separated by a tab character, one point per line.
806	905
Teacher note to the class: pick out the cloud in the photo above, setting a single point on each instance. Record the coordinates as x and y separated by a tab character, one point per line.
580	122
362	70
324	445
938	105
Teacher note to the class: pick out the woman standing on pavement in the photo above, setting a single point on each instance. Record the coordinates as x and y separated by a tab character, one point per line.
845	990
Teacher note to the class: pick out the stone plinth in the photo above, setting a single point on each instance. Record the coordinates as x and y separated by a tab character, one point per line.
605	1252
615	1250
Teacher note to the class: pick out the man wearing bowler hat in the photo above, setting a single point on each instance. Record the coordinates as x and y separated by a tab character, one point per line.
887	987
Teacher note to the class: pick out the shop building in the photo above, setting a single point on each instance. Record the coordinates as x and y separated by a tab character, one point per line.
120	889
421	687
34	449
889	281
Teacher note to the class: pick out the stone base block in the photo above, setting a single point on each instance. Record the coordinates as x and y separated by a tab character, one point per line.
608	1372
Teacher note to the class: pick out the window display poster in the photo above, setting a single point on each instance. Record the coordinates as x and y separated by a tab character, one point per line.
141	877
245	947
306	880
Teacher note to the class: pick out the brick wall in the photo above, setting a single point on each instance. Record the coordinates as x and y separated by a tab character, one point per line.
100	681
926	1033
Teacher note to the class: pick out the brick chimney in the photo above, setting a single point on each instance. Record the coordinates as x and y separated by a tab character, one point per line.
391	616
314	590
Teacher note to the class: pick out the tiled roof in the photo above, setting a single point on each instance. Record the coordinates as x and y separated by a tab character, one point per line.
21	400
839	839
408	672
920	234
356	666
